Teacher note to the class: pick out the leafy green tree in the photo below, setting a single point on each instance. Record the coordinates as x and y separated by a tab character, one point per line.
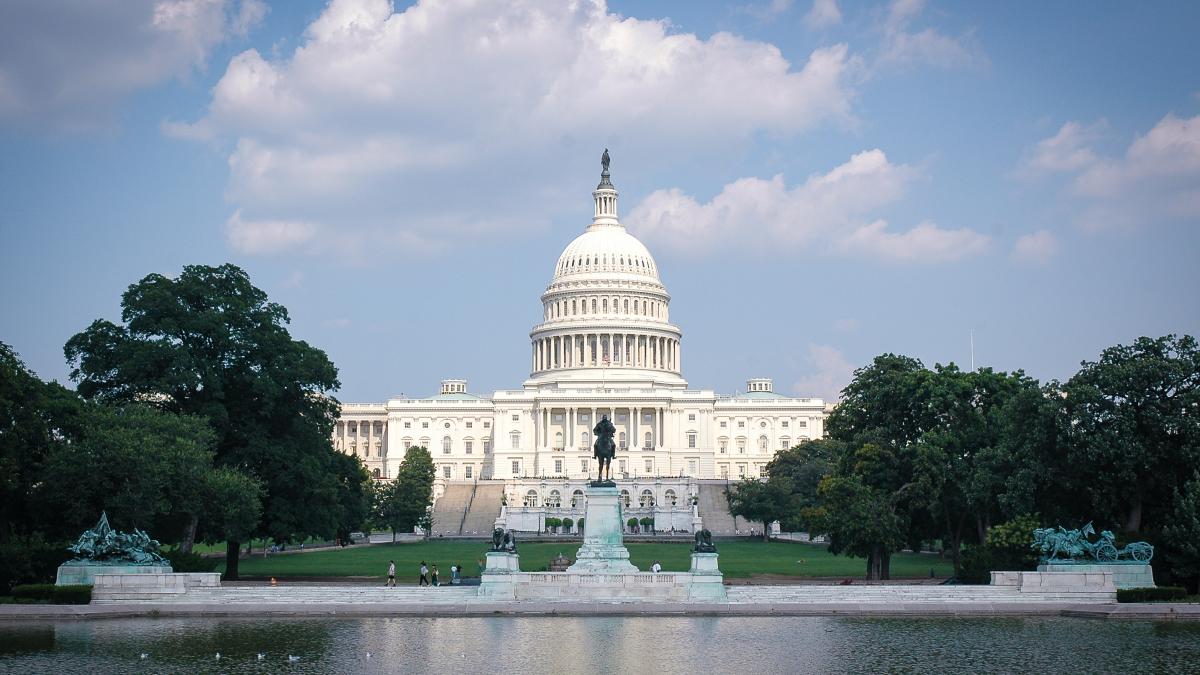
209	343
567	523
1181	536
1133	435
403	503
804	465
762	501
860	521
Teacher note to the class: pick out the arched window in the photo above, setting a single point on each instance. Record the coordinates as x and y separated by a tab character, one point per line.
593	305
649	440
577	498
625	498
669	496
531	498
375	473
647	499
554	500
574	307
621	440
586	440
604	305
558	440
515	437
762	443
626	304
445	445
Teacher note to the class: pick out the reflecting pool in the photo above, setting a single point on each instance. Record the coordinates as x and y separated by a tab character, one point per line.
648	645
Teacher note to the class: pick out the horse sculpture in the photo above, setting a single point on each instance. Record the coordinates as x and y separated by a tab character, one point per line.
503	540
704	542
1072	546
604	449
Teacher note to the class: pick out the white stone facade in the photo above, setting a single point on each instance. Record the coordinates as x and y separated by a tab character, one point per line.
605	346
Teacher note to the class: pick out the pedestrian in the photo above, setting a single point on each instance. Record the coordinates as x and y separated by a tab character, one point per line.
655	568
424	580
453	574
391	573
460	573
435	579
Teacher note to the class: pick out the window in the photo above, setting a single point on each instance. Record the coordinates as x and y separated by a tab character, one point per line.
621	440
554	500
577	498
762	443
649	440
487	425
556	417
785	424
487	445
558	440
593	305
468	425
669	497
446	425
446	445
723	469
723	445
691	418
783	443
408	425
467	446
516	468
445	471
583	465
531	498
424	425
762	425
724	424
467	471
515	437
691	467
741	424
741	443
691	440
625	498
585	440
585	418
621	466
621	417
375	473
646	500
650	466
558	467
802	423
647	417
407	443
741	470
516	418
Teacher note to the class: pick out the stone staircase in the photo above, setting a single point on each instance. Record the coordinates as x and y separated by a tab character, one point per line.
450	509
713	509
484	509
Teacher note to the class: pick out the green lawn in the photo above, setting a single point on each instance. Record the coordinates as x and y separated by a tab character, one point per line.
739	559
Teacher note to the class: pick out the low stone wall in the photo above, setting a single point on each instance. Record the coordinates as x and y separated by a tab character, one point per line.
119	587
609	587
1056	582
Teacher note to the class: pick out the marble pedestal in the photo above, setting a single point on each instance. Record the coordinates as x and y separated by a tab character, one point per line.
498	575
706	581
603	549
1124	575
74	574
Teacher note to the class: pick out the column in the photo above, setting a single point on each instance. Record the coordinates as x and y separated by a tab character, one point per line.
661	426
633	428
570	441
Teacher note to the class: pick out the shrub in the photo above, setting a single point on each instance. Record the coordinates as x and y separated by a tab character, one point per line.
632	523
30	561
1151	594
33	592
646	522
190	562
72	595
567	523
581	524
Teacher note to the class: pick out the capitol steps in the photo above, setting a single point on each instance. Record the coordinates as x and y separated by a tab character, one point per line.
450	509
484	509
713	508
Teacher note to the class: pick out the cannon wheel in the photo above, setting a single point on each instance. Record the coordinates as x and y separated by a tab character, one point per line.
1106	552
1141	552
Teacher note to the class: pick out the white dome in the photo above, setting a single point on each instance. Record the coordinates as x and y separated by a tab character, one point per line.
606	249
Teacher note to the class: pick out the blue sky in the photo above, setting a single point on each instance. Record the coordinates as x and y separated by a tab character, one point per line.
819	182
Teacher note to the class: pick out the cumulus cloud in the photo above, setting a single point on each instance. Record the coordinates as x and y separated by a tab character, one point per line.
267	236
904	45
1156	178
828	212
824	13
830	373
1037	247
382	118
65	66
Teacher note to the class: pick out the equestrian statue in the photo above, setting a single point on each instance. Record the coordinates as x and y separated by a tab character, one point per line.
604	449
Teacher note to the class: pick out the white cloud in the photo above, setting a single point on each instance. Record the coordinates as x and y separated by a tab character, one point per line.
828	212
65	65
924	243
266	236
903	45
831	372
378	120
1157	178
1037	247
824	13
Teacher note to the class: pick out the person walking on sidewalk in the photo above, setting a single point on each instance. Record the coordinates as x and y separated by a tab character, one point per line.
435	579
391	573
424	580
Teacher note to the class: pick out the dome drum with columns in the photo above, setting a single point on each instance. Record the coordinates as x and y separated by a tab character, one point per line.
605	346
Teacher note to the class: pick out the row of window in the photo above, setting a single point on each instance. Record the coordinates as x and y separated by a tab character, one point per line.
742	424
723	470
763	444
446	425
554	499
562	308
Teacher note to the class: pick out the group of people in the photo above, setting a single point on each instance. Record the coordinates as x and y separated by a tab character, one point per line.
428	574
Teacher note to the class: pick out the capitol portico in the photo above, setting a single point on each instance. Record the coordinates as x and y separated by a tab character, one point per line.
605	346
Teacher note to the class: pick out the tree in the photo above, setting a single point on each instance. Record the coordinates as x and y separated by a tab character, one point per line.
1133	435
1182	535
403	504
859	521
209	343
567	524
804	465
762	500
647	523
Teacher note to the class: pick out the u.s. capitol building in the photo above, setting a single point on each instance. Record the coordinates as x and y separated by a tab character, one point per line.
605	346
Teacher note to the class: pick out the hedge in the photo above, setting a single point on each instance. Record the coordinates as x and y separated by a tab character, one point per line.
190	562
1151	594
58	595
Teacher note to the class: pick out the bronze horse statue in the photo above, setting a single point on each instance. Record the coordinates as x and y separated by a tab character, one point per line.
604	449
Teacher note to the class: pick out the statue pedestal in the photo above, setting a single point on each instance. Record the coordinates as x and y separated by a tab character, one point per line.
706	578
498	573
603	547
76	573
1124	575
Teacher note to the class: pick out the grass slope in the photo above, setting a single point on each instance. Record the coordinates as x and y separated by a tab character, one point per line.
739	559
